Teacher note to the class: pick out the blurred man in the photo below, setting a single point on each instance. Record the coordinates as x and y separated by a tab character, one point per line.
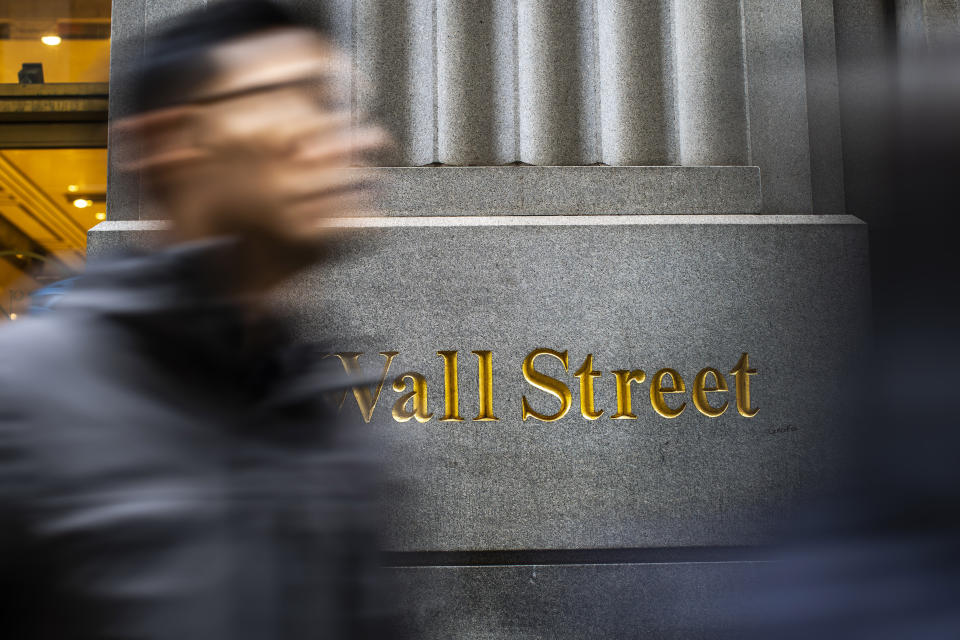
167	466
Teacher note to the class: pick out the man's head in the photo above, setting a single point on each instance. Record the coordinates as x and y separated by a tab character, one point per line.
242	126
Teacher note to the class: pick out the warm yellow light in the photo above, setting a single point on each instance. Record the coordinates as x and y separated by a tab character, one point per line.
72	188
100	215
13	316
50	40
82	203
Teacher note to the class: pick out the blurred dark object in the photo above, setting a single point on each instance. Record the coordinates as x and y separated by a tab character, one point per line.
882	558
173	465
169	469
30	73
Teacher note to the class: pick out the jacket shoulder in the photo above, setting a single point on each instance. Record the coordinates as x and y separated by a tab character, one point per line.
31	345
52	353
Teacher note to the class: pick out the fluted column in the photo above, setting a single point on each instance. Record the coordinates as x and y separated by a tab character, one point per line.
394	76
636	82
623	82
556	57
710	82
476	68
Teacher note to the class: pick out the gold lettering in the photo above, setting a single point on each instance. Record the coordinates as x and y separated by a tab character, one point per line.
485	386
451	393
586	375
657	389
545	383
419	396
366	401
742	373
333	397
624	401
700	391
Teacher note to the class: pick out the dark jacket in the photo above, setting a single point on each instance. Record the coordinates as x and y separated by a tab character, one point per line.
170	470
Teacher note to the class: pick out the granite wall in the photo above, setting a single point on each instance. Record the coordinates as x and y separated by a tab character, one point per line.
701	236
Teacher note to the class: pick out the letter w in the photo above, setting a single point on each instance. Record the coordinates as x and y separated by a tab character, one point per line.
366	401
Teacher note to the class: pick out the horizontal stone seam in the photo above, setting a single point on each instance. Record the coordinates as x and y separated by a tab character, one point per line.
538	221
602	556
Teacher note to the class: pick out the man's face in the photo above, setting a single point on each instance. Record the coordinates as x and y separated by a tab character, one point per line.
265	148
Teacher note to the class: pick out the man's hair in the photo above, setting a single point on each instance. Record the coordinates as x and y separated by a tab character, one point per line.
176	62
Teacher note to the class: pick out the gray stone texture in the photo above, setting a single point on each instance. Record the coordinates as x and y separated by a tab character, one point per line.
578	82
115	236
663	601
942	21
635	65
473	191
779	131
394	47
639	270
156	12
823	107
710	83
644	292
928	25
556	62
432	191
126	33
476	83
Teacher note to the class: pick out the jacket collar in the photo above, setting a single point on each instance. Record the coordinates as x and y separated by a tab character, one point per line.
189	276
178	299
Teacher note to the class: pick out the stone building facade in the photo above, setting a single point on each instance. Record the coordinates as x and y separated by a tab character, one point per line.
591	190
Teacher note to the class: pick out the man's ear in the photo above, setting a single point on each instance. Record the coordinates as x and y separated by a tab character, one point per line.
156	139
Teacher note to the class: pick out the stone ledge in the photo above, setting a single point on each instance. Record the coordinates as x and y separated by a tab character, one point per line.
146	230
111	235
589	190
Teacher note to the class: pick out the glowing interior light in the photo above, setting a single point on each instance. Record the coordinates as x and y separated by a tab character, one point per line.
100	215
72	188
82	203
50	40
13	316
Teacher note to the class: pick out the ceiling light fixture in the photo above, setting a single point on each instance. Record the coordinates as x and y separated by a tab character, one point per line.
51	41
82	203
72	188
100	215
